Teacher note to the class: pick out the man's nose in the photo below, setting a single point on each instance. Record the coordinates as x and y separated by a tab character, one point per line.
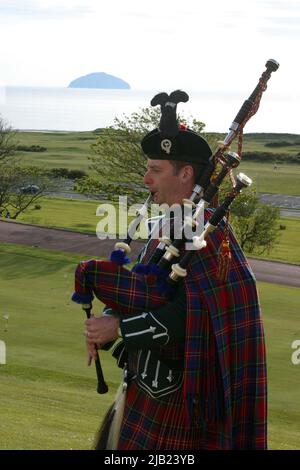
147	179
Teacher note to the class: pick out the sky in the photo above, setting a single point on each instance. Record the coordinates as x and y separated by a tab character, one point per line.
212	46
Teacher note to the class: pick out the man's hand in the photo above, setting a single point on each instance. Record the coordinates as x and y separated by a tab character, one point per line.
100	330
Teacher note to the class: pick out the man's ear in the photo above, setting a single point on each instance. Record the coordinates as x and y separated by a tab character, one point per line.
187	173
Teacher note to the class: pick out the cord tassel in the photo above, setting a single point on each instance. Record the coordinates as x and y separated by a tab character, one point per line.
224	260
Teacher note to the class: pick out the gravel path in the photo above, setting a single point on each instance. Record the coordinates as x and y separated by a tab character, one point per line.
63	240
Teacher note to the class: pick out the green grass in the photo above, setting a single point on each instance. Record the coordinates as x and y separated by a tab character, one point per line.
286	249
64	149
280	307
73	214
79	215
255	142
48	398
284	180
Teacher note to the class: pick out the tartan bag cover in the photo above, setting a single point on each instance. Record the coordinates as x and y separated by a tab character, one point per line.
224	363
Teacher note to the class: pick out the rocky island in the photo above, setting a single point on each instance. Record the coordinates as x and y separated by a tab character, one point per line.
99	80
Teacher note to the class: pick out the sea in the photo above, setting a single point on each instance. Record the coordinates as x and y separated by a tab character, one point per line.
79	109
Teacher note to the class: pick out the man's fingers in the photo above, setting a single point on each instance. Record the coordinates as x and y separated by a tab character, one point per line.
89	359
90	337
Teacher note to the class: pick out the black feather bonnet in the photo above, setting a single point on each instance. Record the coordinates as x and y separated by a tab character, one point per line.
172	141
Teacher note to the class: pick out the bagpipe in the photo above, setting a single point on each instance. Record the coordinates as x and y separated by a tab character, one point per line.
160	276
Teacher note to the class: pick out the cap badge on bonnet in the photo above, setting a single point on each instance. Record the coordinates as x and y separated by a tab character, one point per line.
166	145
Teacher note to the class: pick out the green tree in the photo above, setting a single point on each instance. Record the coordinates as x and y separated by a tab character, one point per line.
118	161
15	180
255	224
7	141
21	187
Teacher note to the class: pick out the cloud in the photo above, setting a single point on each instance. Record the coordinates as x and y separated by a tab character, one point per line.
287	33
289	26
158	44
43	9
281	4
288	21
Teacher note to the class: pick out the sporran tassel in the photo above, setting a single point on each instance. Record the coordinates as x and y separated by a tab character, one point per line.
101	438
115	428
107	438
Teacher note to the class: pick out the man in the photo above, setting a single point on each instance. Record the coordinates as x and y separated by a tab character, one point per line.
197	363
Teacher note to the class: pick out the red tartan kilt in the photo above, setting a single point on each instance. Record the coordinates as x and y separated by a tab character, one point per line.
159	424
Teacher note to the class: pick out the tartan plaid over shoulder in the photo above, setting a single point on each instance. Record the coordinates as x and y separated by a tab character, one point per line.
224	365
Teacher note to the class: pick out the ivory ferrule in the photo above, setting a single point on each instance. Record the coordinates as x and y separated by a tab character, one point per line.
177	272
86	306
123	246
190	222
164	241
188	203
222	145
171	251
173	276
199	242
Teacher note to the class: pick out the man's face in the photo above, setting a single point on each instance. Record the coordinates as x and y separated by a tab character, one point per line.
164	185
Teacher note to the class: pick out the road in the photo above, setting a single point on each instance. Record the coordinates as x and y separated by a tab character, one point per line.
289	205
281	200
90	245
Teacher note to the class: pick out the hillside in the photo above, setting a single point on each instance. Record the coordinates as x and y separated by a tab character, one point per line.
70	150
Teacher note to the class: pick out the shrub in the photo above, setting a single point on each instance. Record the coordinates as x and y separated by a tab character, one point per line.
66	173
271	157
279	143
31	148
74	174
